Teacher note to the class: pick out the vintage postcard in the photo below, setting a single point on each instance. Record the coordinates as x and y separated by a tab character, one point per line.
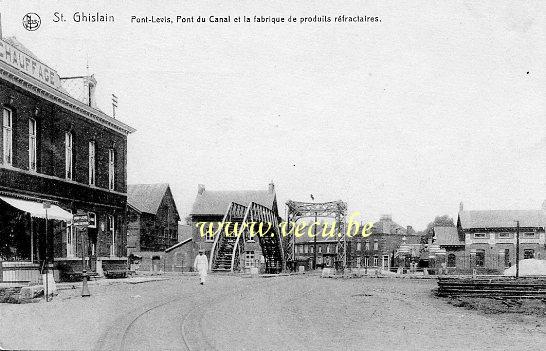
272	175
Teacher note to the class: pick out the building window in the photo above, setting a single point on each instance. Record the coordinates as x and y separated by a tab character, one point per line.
480	235
367	245
92	163
111	169
111	229
92	220
328	248
376	245
528	253
451	260
311	249
358	259
209	235
376	261
32	144
7	135
306	249
249	259
319	249
506	258
480	258
358	246
366	261
68	155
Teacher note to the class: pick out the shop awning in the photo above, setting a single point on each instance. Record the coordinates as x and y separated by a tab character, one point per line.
36	209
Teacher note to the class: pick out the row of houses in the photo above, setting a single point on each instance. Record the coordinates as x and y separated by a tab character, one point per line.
483	242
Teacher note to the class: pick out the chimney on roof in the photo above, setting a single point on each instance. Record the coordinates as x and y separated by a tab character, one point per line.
271	187
200	189
461	206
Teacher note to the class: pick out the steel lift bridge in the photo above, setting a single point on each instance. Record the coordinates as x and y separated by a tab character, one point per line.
334	209
228	250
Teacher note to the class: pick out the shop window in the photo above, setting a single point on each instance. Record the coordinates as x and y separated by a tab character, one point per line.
32	144
7	136
480	235
480	258
92	163
68	155
528	253
528	235
504	235
451	260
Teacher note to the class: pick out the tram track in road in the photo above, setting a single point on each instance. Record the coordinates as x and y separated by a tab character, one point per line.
117	336
208	306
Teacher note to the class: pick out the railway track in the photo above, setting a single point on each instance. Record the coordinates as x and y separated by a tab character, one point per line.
494	287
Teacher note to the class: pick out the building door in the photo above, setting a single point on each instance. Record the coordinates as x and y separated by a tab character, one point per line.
385	262
249	259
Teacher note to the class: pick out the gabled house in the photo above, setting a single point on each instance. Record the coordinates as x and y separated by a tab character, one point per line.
152	218
210	206
490	237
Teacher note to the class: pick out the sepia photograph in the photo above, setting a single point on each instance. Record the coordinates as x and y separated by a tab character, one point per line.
272	175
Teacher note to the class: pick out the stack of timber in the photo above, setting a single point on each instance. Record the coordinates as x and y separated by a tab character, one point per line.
493	287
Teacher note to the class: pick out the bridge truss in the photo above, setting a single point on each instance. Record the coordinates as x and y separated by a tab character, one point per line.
336	210
228	250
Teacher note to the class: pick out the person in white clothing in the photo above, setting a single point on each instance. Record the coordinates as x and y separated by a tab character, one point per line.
201	265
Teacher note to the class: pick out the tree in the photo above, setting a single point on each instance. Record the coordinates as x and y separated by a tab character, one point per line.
439	221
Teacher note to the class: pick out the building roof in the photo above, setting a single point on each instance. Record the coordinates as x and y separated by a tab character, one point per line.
447	236
146	197
177	245
386	225
216	202
501	218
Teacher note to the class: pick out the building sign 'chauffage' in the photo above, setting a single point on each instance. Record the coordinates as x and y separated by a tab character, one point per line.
23	62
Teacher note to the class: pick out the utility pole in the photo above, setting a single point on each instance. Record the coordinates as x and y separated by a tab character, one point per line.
517	249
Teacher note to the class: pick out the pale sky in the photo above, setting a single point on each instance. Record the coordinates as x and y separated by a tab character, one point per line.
441	102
